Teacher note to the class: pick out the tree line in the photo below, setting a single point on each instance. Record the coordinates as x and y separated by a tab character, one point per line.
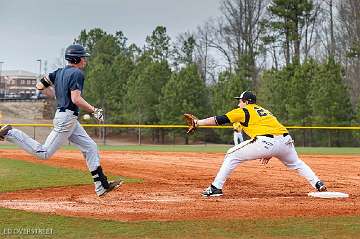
301	57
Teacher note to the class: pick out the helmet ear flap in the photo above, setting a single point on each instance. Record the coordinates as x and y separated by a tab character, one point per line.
73	59
77	60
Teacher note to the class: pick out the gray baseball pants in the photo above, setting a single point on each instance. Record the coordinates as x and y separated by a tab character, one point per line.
66	127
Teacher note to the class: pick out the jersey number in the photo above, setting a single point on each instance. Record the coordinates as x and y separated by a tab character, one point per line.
261	112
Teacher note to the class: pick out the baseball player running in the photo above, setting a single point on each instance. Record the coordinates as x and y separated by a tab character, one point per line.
238	137
66	85
268	138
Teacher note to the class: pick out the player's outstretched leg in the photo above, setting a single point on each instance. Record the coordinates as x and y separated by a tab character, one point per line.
289	157
247	150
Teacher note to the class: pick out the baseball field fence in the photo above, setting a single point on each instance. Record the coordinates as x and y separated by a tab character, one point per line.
117	134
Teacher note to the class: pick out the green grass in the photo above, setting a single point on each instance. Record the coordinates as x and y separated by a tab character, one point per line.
212	148
328	151
18	175
69	227
170	148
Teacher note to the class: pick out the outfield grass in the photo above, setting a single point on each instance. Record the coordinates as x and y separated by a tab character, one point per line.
18	175
211	148
68	227
328	151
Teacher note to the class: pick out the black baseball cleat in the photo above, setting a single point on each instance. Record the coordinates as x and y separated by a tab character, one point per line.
112	186
212	191
320	186
3	131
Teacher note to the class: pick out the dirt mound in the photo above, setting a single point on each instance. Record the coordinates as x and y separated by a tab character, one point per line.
173	182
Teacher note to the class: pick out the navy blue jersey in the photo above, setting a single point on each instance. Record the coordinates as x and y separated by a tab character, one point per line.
66	80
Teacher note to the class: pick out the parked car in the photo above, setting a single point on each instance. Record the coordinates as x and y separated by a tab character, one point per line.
12	96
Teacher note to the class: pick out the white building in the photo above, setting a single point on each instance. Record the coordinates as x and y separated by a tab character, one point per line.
17	84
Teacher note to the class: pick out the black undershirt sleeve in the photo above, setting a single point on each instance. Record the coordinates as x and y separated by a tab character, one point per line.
222	119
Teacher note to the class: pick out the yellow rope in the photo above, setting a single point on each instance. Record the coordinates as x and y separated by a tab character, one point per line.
183	126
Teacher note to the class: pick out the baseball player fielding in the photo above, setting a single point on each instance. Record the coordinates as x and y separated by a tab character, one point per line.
268	138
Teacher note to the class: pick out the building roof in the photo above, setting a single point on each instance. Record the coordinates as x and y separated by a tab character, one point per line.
19	73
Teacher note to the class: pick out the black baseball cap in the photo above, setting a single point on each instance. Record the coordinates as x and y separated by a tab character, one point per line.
247	95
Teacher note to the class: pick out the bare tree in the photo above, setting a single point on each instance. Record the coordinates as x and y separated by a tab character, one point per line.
234	38
60	61
292	25
349	38
332	36
242	27
211	36
309	31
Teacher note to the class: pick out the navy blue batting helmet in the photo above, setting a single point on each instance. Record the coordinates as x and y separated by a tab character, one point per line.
73	53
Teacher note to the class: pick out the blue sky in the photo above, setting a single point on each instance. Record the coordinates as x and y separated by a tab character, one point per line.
40	29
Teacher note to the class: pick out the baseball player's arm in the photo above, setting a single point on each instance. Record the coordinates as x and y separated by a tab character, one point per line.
49	92
77	99
207	121
214	120
45	85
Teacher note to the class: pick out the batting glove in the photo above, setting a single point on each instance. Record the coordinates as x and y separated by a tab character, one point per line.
98	114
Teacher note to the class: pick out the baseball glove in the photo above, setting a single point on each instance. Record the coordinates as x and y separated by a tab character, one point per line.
191	121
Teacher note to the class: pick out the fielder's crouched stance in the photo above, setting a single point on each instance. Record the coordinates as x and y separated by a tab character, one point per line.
269	139
66	84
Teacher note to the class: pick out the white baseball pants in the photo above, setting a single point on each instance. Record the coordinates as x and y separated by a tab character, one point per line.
281	147
238	138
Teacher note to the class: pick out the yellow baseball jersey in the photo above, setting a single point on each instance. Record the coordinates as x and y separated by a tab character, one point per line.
256	120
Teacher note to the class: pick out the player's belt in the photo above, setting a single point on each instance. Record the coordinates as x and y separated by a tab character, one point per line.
62	109
272	136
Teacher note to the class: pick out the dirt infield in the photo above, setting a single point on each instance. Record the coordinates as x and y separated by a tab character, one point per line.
173	182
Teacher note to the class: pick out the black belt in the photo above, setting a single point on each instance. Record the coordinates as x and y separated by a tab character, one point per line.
62	109
272	136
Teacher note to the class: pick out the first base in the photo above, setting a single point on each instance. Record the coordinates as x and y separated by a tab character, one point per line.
328	195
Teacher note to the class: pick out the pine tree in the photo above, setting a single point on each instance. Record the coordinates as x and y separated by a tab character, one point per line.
274	91
185	92
330	101
299	104
223	92
144	90
288	19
